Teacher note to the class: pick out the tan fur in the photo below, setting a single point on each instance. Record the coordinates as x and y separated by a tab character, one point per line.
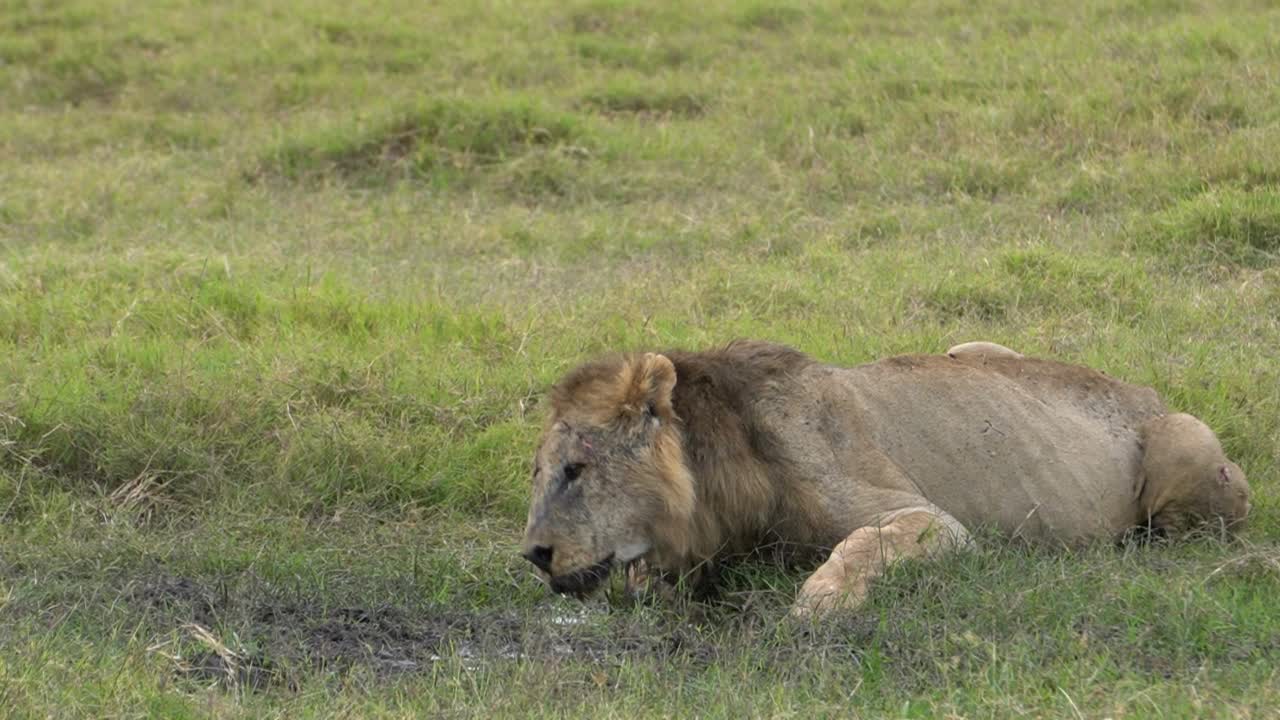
683	458
981	348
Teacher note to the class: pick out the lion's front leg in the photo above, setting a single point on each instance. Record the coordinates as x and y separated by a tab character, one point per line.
644	582
844	579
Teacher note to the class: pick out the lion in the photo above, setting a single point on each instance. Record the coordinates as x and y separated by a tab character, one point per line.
680	459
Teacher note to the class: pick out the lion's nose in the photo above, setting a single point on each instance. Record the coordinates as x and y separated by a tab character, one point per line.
540	556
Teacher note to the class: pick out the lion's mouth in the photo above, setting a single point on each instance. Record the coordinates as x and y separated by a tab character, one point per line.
582	582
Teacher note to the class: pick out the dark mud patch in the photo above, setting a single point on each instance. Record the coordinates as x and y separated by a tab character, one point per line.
173	596
392	640
254	638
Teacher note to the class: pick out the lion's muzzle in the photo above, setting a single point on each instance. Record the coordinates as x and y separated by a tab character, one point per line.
540	556
582	582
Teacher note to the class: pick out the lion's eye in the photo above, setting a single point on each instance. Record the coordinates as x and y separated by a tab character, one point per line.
572	471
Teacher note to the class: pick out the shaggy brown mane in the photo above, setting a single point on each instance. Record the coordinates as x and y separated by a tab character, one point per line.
713	397
733	459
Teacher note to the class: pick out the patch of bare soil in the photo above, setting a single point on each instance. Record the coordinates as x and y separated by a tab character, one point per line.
256	640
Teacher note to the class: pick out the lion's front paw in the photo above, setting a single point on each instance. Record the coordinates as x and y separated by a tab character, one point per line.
643	584
816	599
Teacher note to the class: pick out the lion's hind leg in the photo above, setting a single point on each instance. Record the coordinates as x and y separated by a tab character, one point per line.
1188	482
844	580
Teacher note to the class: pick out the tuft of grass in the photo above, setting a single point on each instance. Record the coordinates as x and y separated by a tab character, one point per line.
440	142
980	178
1227	226
79	76
646	57
660	102
1029	283
769	16
1045	279
147	412
981	301
608	17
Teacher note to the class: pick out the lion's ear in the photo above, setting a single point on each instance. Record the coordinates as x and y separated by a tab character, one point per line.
648	381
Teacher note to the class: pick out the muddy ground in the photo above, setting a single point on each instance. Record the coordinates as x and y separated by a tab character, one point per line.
261	638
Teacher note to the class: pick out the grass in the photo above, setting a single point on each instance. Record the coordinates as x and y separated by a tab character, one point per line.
277	316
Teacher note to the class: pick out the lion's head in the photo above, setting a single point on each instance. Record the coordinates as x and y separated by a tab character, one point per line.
609	480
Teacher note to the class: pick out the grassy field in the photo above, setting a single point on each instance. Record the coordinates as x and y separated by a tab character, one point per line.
282	285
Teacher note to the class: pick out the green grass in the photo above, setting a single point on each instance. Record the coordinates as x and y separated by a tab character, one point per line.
282	286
